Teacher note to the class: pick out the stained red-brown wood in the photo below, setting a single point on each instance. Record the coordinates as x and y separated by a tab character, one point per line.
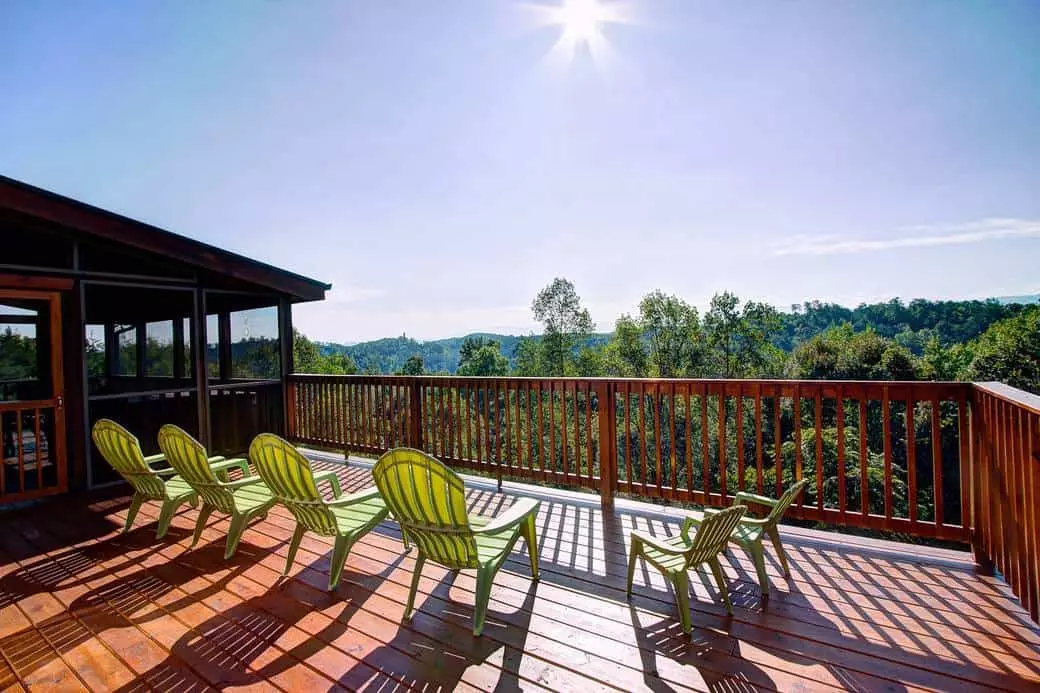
89	608
911	459
839	406
778	442
723	471
655	401
628	434
819	450
864	483
740	437
689	448
758	440
886	424
797	434
937	462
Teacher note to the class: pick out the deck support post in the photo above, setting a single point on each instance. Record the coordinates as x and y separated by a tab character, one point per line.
607	442
415	413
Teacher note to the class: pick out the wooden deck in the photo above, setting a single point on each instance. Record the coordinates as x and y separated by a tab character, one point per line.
83	606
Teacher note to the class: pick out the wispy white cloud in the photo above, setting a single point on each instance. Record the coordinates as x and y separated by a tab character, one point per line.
913	237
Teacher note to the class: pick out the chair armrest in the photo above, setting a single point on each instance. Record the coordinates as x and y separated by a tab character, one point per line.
221	466
752	498
516	514
169	471
658	545
333	479
694	519
152	459
367	494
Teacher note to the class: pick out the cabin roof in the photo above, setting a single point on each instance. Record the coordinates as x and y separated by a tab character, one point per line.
87	219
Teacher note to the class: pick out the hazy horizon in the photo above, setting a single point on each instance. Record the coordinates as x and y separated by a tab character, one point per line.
439	164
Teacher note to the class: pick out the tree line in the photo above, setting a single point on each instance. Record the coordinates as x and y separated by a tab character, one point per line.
666	336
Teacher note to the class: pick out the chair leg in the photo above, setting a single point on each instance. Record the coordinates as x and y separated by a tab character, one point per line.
531	537
720	580
634	549
339	557
234	535
169	509
420	559
200	524
131	513
293	546
681	584
774	534
404	538
758	556
485	575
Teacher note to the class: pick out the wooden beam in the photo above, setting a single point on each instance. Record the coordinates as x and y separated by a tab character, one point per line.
224	345
178	348
198	352
285	359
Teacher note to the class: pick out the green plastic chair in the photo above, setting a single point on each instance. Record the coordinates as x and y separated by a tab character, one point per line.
122	451
243	499
674	556
429	501
751	531
347	518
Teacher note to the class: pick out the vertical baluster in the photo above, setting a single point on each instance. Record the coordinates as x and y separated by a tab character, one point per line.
740	437
628	434
642	434
38	453
839	406
604	465
964	473
758	440
657	399
886	425
819	451
671	442
541	431
937	462
20	447
689	445
705	446
723	467
864	483
911	455
778	441
519	428
799	471
552	427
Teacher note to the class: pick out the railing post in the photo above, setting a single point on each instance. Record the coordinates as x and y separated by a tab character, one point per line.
415	413
607	442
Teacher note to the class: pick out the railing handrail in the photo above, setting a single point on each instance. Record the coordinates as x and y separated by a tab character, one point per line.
1011	395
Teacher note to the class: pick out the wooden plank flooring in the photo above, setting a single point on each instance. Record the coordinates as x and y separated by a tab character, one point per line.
83	606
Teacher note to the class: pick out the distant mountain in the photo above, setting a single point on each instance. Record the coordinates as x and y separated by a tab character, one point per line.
389	354
1024	300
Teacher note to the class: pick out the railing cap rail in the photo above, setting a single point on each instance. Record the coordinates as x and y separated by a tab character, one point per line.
1010	394
754	381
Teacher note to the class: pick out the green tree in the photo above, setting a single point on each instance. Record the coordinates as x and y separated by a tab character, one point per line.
528	357
672	329
626	354
739	338
842	353
480	356
1009	351
413	366
566	324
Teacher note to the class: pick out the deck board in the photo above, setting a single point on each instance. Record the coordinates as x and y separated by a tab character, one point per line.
83	606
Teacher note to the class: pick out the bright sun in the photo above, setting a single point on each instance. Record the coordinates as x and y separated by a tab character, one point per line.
581	19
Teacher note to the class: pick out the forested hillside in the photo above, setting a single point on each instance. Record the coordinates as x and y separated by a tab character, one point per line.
666	336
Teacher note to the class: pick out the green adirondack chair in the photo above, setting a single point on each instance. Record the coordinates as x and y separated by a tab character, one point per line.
751	531
674	556
243	499
122	451
429	501
347	518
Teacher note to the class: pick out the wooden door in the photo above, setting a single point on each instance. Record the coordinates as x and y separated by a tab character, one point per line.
32	396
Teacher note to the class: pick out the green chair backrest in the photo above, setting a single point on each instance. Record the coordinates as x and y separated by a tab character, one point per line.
785	501
713	533
429	501
288	474
122	450
190	459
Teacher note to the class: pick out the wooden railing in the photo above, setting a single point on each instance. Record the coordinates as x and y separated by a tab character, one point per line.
683	440
1005	489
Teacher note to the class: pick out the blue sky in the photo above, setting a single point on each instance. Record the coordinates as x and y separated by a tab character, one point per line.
439	162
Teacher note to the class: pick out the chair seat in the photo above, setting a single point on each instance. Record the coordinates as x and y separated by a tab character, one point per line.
253	496
491	547
667	562
177	487
746	533
356	516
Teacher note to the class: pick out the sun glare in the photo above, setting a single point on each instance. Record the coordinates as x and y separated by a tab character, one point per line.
581	26
581	19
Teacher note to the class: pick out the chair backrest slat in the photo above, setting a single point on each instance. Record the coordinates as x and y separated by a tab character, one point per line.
190	459
429	502
713	533
287	472
786	500
122	451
